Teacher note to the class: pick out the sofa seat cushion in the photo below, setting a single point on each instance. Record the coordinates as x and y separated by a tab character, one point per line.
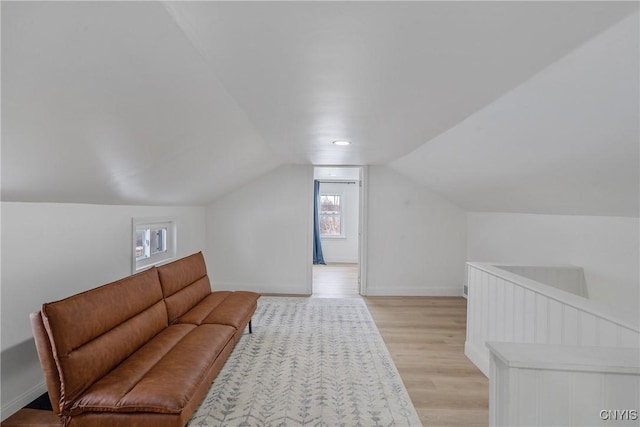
223	308
162	375
200	311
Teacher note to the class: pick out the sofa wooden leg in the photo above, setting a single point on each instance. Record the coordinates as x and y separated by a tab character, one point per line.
250	331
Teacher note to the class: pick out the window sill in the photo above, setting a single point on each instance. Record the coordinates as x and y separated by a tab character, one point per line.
152	262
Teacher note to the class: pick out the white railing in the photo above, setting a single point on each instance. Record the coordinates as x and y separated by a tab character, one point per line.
533	385
506	307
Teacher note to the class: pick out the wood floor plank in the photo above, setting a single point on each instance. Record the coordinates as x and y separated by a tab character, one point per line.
425	336
335	280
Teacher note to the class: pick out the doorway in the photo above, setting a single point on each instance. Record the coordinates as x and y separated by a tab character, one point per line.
340	232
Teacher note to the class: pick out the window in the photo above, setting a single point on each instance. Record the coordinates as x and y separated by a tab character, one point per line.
331	215
150	241
154	242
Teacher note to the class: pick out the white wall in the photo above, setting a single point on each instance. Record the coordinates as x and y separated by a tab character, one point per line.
51	251
344	249
416	238
607	248
259	236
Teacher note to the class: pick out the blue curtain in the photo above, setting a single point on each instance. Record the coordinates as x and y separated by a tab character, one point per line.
318	258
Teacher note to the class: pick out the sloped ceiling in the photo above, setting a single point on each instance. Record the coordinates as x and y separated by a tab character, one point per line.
564	142
179	102
108	102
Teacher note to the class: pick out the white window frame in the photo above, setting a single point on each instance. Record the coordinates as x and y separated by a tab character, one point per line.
158	258
343	234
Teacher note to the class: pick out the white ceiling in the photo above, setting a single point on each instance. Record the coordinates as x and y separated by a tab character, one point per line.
179	102
564	142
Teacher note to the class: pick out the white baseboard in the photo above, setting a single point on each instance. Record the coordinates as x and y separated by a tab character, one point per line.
19	402
341	260
296	289
414	292
478	357
266	288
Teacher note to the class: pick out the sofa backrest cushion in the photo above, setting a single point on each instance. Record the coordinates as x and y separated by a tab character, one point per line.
94	331
184	284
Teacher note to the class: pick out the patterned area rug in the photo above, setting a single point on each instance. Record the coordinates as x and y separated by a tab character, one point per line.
309	361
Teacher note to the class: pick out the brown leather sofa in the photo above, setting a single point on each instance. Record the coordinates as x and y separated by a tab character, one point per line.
141	351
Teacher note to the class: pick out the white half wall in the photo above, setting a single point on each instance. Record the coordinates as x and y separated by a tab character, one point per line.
607	248
259	236
53	250
416	238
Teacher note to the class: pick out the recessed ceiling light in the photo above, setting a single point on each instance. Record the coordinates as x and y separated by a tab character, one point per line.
341	142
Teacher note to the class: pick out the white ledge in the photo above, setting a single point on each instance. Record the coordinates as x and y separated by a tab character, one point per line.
567	358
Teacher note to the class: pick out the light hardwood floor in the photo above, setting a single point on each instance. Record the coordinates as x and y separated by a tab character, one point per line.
335	281
425	336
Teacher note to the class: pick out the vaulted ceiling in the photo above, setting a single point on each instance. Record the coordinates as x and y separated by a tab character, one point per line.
506	106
